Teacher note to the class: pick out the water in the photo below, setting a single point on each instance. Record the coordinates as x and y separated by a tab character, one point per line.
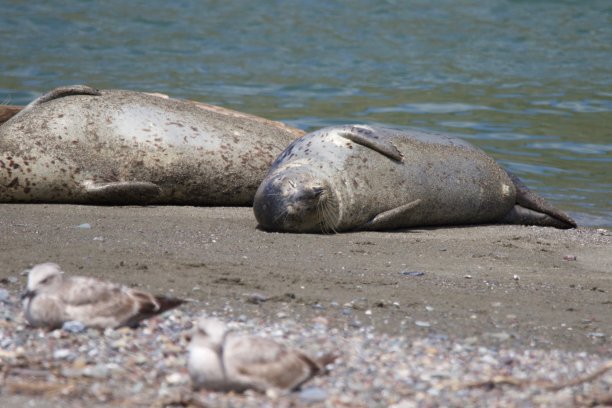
528	81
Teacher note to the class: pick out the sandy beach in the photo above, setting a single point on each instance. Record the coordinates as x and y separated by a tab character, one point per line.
495	287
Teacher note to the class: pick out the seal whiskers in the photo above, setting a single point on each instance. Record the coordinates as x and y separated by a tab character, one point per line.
328	211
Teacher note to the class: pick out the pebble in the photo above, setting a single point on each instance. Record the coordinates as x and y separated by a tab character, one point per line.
61	354
84	226
569	257
412	273
4	295
422	323
313	395
256	298
74	326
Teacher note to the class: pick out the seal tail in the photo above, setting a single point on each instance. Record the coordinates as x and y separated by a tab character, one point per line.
531	209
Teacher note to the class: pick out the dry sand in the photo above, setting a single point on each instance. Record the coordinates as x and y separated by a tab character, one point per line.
515	287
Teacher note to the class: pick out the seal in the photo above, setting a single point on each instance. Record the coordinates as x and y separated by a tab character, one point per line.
359	177
78	144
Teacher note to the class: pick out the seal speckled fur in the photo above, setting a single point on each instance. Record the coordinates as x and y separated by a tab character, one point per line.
80	145
360	177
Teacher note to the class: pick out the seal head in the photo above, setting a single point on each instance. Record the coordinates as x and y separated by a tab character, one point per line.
296	200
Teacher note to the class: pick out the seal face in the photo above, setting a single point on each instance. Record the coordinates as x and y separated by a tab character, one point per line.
80	145
376	178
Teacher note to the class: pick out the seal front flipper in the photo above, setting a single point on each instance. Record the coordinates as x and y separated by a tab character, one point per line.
531	209
390	219
365	136
60	92
121	192
63	91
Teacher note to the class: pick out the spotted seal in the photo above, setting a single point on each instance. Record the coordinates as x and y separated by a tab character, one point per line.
359	177
77	144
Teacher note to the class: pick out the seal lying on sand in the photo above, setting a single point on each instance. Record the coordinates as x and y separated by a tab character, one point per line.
374	178
80	145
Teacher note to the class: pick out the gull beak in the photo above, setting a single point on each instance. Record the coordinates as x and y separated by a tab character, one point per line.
28	294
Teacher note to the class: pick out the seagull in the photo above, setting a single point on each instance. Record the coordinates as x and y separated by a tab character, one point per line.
51	299
222	360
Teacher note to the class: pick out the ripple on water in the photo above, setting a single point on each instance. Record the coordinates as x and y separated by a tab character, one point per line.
577	148
428	108
581	106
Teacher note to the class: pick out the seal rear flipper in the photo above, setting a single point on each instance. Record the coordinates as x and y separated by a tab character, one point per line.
364	136
528	200
390	219
525	216
122	192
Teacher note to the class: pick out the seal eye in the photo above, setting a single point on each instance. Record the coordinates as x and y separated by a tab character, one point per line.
317	191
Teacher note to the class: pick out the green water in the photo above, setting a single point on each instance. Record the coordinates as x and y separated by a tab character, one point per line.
530	82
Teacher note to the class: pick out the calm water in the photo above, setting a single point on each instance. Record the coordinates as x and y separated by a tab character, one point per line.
528	81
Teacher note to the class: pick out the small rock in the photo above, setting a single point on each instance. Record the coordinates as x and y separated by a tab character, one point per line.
422	323
313	395
84	226
412	273
61	354
98	371
358	304
501	336
596	334
4	295
176	378
355	324
256	298
516	277
569	257
74	326
467	276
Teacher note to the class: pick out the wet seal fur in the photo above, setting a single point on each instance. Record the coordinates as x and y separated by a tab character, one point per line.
77	144
361	177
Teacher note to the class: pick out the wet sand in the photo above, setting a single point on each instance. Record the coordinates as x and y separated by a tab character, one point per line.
505	286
